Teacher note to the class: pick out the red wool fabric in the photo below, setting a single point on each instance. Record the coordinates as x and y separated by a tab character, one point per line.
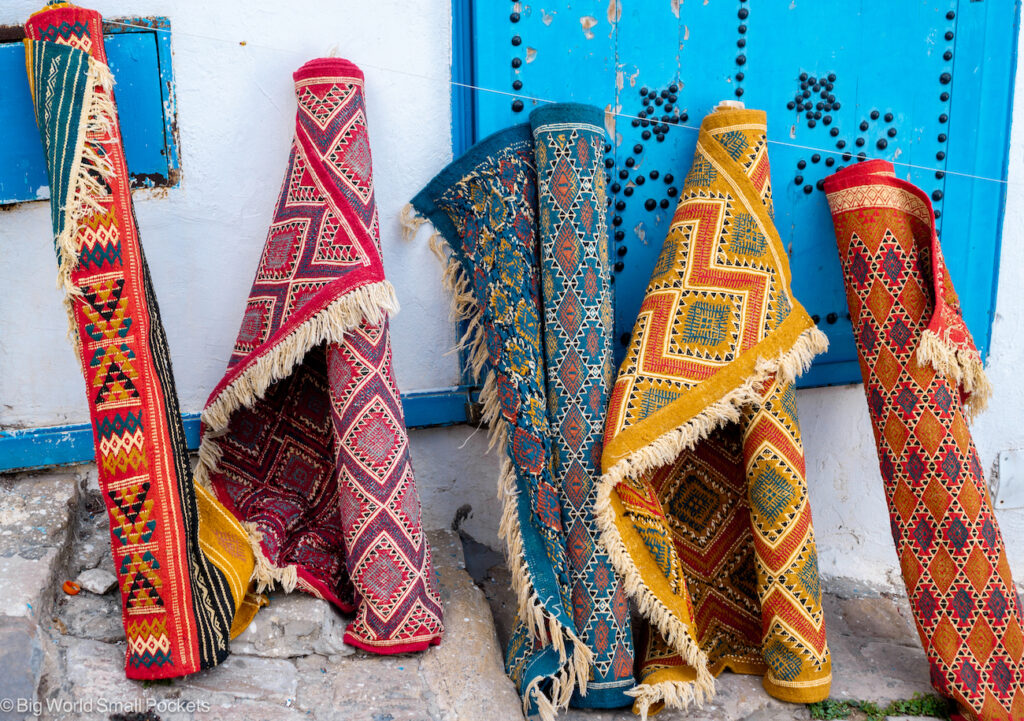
304	438
924	380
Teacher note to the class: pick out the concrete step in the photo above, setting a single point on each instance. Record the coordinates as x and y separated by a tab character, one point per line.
289	664
37	515
876	654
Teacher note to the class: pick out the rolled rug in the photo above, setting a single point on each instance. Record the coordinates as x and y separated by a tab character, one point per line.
924	381
703	502
532	286
304	439
182	562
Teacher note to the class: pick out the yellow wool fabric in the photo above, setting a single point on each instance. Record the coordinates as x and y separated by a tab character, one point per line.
715	350
223	539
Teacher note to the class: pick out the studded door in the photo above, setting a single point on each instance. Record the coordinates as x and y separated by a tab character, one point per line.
926	83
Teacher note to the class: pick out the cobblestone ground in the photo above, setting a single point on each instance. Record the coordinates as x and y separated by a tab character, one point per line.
63	655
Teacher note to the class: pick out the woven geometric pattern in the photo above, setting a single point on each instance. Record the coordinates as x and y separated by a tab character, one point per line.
177	606
524	271
946	534
577	303
316	458
704	507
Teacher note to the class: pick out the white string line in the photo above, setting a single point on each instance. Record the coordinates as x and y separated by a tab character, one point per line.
531	98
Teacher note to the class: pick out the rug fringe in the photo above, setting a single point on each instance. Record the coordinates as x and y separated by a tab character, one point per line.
370	303
673	694
410	221
961	366
90	171
265	573
663	450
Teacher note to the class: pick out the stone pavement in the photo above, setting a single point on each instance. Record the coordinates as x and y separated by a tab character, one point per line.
66	653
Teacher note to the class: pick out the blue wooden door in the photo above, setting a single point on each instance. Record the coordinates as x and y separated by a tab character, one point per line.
925	83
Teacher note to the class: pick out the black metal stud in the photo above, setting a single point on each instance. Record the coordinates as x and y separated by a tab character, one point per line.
936	195
944	97
864	125
948	35
943	118
639	180
815	158
888	117
940	155
945	78
834	131
650	204
517	84
620	205
942	137
808	189
622	250
881	144
663	203
830	162
514	17
620	234
517	106
875	114
668	178
516	40
671	192
516	62
628	191
840	144
939	174
801	164
798	180
948	55
950	15
630	162
653	175
859	142
743	13
891	132
831	318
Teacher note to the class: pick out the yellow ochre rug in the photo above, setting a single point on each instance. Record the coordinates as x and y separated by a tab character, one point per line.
703	501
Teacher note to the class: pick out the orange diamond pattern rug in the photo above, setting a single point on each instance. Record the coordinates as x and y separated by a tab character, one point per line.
703	502
924	381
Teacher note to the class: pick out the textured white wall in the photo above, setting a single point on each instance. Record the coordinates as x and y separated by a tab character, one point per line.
235	113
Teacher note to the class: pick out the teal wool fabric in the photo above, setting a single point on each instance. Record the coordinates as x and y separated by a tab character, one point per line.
578	323
530	277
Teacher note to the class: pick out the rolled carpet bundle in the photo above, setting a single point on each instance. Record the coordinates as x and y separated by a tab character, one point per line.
703	501
924	381
182	562
304	438
522	215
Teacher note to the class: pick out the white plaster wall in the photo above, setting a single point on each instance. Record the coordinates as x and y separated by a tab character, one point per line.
235	112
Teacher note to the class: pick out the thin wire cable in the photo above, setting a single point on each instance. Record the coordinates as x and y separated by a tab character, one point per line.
535	99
